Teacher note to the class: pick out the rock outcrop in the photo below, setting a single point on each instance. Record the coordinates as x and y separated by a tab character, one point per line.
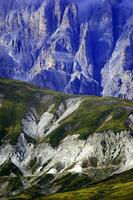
53	44
47	137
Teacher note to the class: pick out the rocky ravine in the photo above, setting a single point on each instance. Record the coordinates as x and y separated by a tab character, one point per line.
55	45
60	137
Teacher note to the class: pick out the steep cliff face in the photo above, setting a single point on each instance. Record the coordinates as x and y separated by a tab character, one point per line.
102	36
55	44
48	138
117	73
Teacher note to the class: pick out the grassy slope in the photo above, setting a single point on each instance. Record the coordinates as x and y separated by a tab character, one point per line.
18	98
89	118
118	187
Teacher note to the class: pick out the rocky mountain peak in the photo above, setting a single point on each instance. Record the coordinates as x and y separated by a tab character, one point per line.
70	16
49	39
59	8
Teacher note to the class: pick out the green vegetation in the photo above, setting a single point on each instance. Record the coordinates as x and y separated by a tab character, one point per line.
95	114
11	114
71	182
7	168
101	192
45	179
34	164
33	192
18	98
9	185
13	110
118	187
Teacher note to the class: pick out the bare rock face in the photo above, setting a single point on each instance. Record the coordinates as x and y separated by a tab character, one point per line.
55	45
82	80
117	76
102	38
56	59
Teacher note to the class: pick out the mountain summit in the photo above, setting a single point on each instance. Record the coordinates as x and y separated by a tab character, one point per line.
79	49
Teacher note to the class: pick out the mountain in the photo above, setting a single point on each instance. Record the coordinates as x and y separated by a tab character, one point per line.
77	49
52	142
